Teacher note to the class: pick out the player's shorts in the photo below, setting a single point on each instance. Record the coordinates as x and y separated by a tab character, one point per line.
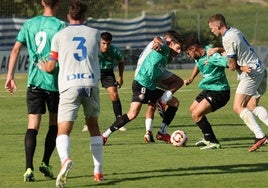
37	100
108	79
166	75
216	99
252	85
143	95
72	98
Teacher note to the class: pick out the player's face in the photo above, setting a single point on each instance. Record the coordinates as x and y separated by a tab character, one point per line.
104	46
191	52
215	28
173	45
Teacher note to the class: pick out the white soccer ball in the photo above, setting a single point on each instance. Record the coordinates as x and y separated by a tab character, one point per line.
178	138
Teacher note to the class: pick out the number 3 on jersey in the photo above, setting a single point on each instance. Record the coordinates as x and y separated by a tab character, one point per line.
81	48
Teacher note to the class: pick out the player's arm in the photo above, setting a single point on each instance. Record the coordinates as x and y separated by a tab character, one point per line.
49	66
214	50
232	64
193	75
10	84
121	67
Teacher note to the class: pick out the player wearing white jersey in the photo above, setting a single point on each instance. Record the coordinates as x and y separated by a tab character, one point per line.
76	49
252	76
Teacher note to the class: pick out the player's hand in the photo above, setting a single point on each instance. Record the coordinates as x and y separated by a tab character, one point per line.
187	82
119	82
10	85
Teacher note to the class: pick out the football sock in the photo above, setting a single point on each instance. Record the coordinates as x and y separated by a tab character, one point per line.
96	147
119	122
262	114
247	116
30	145
148	124
117	107
163	128
169	114
63	147
50	143
207	130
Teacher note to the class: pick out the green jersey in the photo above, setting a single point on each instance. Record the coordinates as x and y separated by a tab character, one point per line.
212	69
152	68
36	34
107	60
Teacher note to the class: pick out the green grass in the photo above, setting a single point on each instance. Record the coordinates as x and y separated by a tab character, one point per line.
128	161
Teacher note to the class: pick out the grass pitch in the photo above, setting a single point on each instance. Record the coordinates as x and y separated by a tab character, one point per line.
128	161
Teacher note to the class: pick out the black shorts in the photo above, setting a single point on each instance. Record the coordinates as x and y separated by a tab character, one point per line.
37	99
144	95
217	99
108	79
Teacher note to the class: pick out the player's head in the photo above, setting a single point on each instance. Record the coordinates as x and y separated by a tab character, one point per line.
50	3
174	41
105	43
77	10
191	46
217	24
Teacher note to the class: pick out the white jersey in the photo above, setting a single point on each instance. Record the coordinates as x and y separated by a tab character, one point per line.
143	55
237	46
78	48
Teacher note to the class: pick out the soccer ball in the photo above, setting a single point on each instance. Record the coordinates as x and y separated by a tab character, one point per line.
178	138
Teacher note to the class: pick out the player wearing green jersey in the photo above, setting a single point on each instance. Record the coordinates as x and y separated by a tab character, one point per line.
42	87
144	87
109	57
216	90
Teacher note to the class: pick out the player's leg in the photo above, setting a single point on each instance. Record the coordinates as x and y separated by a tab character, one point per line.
67	113
36	107
110	84
52	99
169	115
246	89
149	116
91	112
133	112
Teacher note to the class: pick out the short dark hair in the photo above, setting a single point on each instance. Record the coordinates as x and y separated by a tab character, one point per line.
174	35
190	40
77	10
51	3
106	36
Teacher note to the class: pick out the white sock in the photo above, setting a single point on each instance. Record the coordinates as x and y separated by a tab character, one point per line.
247	116
107	133
63	147
96	147
163	128
262	114
149	124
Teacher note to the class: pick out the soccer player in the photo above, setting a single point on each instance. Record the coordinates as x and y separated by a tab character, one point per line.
76	49
144	88
168	81
42	87
216	90
109	56
252	76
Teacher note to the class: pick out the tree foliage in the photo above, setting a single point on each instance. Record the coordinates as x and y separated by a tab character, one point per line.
30	8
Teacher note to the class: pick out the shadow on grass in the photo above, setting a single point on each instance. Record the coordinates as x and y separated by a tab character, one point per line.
191	171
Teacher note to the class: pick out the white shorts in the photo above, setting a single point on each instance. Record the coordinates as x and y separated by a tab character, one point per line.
252	85
167	74
72	98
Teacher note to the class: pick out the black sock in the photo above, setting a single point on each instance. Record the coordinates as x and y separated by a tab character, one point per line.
119	122
169	114
50	143
30	145
206	129
117	107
